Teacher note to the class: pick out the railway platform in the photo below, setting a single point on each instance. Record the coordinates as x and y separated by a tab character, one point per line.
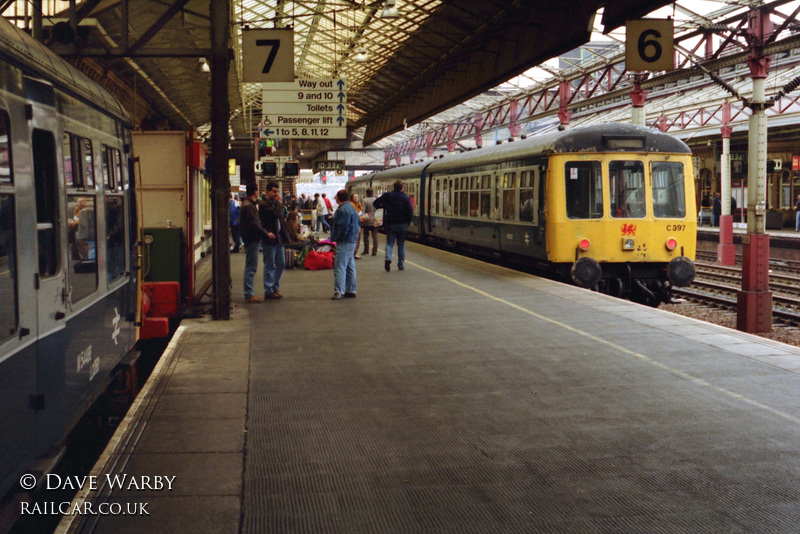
454	396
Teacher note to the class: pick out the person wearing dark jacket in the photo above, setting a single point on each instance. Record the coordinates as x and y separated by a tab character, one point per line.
252	233
272	220
397	213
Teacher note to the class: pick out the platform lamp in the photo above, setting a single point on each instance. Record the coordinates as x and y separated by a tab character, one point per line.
390	10
361	57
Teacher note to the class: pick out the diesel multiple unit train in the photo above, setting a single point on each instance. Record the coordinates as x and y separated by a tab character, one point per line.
609	206
68	250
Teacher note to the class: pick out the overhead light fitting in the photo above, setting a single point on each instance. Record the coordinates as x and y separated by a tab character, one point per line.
361	57
202	65
390	10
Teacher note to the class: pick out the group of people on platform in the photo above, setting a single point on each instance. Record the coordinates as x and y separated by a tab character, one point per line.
716	206
267	226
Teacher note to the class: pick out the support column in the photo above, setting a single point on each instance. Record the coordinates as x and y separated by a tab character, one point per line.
478	123
726	252
513	113
564	96
220	181
755	299
638	97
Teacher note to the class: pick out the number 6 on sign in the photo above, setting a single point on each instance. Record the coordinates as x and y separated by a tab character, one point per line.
649	45
268	55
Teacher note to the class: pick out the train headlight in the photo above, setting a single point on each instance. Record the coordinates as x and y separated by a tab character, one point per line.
672	243
628	243
584	244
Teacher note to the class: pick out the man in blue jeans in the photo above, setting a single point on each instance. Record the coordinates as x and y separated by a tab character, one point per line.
344	232
273	222
252	234
397	213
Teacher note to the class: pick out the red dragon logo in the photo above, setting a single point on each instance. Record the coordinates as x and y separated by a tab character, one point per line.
628	229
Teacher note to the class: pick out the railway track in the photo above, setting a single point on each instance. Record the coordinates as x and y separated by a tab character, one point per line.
719	285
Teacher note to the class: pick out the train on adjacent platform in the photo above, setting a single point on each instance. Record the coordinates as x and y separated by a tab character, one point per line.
70	299
607	206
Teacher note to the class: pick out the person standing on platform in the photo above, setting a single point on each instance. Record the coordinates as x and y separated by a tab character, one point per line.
368	223
329	216
234	211
397	213
797	217
274	223
322	213
344	232
716	210
359	211
252	235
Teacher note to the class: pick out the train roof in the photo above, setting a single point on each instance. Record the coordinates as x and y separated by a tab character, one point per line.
35	59
615	137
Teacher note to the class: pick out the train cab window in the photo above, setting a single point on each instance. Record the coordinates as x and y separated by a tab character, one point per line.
509	195
5	149
45	178
627	191
115	237
9	299
584	188
669	195
526	207
8	267
82	247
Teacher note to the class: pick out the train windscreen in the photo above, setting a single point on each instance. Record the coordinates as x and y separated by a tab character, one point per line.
669	195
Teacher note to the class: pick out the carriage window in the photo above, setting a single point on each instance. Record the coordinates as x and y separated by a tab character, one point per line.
436	196
5	149
88	164
526	207
82	248
115	237
110	176
627	191
8	267
509	195
69	163
584	188
668	191
45	182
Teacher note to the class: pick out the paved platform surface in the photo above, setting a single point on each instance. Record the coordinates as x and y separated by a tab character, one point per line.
457	396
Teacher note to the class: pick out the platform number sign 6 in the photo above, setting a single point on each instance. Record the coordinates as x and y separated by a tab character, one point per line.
268	55
649	45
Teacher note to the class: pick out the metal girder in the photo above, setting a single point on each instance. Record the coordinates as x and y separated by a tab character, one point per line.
605	86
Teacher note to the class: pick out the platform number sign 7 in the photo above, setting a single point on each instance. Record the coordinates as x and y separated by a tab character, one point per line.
268	55
275	44
649	45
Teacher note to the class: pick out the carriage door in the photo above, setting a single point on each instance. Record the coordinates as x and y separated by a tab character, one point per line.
49	279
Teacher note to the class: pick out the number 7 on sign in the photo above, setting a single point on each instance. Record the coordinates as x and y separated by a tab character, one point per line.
275	44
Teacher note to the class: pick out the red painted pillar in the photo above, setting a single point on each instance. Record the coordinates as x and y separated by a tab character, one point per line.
755	300
726	252
564	96
478	123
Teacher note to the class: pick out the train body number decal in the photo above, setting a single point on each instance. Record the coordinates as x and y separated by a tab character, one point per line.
676	227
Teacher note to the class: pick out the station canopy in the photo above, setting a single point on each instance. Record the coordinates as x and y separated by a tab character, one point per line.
404	60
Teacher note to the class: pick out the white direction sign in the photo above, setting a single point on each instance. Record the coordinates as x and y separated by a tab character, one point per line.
305	109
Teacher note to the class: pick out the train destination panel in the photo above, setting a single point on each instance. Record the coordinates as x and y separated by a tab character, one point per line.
305	109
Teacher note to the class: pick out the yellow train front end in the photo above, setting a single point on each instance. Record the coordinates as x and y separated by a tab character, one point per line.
624	222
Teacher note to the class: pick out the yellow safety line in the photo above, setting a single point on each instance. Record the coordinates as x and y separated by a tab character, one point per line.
681	374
